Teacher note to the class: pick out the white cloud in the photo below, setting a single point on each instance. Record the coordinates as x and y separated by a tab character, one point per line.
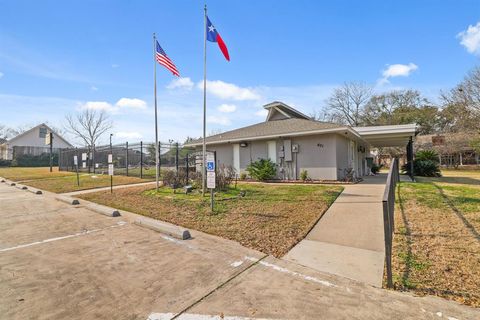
227	108
128	135
93	88
397	70
99	105
470	38
224	90
1	74
261	113
181	83
133	103
221	120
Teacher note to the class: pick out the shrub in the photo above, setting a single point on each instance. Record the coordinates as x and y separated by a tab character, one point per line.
224	177
304	175
263	169
426	168
5	163
427	155
425	164
27	160
170	178
375	168
243	176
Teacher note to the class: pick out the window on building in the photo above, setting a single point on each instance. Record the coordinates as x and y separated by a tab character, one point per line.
42	132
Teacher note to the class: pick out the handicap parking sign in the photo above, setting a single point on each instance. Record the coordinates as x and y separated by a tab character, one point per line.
210	166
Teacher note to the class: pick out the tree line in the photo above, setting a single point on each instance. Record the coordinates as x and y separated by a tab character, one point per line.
458	110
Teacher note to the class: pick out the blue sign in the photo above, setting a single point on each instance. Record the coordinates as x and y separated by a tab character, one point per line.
210	166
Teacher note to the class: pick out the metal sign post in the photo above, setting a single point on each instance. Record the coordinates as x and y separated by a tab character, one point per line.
75	162
110	171
211	176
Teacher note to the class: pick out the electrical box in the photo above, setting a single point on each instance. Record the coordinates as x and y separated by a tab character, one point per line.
295	148
281	154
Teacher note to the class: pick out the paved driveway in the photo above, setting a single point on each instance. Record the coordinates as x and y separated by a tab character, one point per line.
63	262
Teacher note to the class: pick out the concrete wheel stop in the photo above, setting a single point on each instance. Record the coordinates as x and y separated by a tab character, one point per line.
164	227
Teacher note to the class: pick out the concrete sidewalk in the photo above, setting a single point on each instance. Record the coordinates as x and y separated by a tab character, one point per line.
348	240
122	186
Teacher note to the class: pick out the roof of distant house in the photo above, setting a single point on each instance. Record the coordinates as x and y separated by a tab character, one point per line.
40	125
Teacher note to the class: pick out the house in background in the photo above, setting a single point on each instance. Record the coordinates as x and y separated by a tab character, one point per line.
295	142
31	142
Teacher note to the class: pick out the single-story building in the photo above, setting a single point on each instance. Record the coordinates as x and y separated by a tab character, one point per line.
296	142
31	142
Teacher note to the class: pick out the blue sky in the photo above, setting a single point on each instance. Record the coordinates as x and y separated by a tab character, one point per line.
57	57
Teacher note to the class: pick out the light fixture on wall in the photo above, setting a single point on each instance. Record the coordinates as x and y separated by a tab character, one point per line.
243	144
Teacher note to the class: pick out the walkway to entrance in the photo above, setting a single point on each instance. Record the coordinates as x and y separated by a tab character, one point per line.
348	240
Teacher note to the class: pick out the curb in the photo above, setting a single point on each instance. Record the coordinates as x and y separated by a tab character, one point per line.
103	210
67	200
164	227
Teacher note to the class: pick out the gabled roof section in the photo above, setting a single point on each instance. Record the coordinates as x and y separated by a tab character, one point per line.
40	125
279	111
274	129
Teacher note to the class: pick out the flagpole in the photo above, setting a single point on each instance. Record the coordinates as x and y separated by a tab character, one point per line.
204	149
156	120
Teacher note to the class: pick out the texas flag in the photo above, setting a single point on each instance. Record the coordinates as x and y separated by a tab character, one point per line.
214	36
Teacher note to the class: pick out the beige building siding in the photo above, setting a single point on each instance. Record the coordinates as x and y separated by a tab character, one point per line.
317	155
342	154
320	155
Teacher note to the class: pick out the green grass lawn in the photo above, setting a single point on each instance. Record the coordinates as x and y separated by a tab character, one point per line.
269	218
437	242
63	181
21	173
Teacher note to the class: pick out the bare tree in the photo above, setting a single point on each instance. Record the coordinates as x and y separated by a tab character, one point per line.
347	103
5	132
88	125
461	105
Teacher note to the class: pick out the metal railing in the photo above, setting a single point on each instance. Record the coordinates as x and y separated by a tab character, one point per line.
389	216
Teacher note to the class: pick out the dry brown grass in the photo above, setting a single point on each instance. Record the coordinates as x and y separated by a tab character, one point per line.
87	181
435	252
269	218
27	173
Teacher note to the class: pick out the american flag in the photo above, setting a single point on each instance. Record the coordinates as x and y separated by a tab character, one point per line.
165	61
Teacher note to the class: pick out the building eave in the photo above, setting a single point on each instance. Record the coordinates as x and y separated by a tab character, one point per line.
284	135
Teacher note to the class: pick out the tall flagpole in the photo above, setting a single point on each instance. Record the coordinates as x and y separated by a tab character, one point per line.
156	120
204	150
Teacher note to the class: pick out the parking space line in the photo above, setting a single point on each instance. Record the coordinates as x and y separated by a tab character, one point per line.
83	233
293	273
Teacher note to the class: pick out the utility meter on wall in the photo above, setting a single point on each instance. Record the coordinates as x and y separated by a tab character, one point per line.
294	147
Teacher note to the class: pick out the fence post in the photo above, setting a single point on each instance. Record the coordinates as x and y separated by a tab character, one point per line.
388	243
186	167
176	158
141	159
159	158
126	158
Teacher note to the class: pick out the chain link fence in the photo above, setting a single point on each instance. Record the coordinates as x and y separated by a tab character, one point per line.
131	159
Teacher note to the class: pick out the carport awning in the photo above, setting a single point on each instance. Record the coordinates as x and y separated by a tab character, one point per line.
388	136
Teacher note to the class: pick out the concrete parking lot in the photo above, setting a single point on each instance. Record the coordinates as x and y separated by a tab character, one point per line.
59	261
